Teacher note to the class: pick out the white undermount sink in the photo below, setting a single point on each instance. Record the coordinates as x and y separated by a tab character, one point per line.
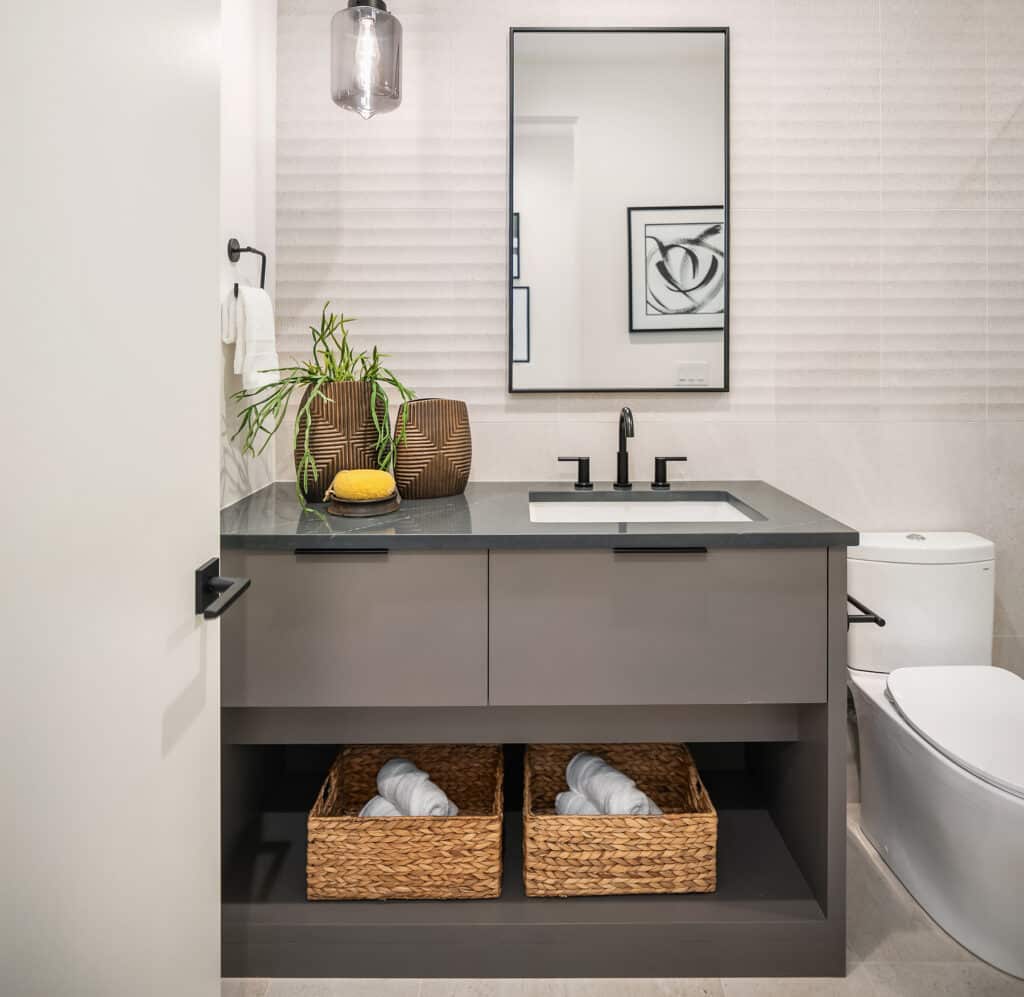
646	507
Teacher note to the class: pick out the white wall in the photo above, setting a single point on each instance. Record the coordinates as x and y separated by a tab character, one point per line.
247	187
877	325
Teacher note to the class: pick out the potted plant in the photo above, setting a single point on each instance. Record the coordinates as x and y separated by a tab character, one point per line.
343	421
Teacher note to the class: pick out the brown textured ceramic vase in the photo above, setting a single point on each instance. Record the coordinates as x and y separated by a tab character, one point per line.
342	436
434	458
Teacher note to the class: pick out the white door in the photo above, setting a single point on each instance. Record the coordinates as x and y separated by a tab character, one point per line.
109	235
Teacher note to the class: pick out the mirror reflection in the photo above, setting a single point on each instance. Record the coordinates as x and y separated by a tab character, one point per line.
618	221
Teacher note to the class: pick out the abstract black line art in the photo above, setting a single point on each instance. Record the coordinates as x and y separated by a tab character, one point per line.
685	269
678	272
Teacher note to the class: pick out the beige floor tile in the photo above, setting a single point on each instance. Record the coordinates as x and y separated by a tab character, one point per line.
643	988
344	988
244	988
571	988
885	923
858	983
492	988
960	979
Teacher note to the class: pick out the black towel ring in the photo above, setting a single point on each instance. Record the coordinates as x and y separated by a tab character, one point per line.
235	250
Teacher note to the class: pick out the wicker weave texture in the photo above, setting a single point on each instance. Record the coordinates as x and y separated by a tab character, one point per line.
566	856
439	858
342	436
434	457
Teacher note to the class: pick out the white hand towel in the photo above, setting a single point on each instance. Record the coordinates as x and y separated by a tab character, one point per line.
255	345
229	319
411	790
610	790
574	803
379	807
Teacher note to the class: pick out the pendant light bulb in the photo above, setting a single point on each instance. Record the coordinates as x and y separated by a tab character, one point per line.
366	58
367	54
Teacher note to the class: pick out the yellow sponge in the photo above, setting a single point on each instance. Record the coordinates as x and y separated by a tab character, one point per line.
362	486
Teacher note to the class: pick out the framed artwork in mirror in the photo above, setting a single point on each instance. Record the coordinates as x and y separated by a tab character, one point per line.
515	245
676	268
520	325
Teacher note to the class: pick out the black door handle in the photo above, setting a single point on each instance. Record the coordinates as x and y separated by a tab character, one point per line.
214	594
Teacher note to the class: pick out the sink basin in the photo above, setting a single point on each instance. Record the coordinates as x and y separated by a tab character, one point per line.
641	507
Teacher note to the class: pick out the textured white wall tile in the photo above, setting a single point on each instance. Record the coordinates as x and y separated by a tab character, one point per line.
877	308
827	105
1005	496
1004	23
831	465
828	313
933	103
1008	653
931	475
934	303
1005	307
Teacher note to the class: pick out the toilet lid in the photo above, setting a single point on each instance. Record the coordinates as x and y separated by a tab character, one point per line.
973	715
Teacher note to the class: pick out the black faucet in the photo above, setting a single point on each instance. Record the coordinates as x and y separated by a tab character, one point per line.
625	433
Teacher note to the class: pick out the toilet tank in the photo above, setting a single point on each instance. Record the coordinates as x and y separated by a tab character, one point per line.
936	592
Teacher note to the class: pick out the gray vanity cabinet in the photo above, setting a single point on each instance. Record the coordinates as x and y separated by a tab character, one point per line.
335	629
601	628
482	626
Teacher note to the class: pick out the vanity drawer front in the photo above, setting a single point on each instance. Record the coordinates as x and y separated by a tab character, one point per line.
357	629
599	628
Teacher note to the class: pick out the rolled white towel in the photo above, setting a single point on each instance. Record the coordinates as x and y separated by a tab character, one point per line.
574	803
379	807
411	791
610	790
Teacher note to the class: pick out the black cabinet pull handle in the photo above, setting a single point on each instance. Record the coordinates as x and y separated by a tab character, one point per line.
659	550
214	594
865	616
339	551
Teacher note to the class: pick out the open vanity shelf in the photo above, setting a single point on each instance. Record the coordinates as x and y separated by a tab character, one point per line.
763	919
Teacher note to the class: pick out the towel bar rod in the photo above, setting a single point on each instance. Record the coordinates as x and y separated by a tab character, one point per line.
235	250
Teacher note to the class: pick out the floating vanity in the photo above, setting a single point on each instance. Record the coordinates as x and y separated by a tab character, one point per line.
520	613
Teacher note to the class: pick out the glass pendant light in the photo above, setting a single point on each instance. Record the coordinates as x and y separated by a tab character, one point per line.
366	58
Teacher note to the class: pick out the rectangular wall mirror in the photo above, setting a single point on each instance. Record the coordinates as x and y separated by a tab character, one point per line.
618	258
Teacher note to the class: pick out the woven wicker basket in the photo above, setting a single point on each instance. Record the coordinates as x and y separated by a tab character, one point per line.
376	858
570	856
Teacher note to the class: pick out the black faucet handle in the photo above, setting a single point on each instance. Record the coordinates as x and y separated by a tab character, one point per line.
661	471
582	471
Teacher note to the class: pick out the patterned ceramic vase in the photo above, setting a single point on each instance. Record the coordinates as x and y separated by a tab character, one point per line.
342	436
434	458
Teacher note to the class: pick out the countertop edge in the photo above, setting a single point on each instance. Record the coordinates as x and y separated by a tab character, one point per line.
356	542
494	516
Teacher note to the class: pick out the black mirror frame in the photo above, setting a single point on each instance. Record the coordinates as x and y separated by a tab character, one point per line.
509	279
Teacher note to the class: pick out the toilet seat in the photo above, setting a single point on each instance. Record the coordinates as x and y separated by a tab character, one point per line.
972	715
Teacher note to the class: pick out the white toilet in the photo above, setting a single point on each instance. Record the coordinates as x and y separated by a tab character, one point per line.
941	747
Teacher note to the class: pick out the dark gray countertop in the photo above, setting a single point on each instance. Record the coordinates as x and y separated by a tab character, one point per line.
497	514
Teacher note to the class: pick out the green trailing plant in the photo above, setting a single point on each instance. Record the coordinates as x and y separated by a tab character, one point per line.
334	361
